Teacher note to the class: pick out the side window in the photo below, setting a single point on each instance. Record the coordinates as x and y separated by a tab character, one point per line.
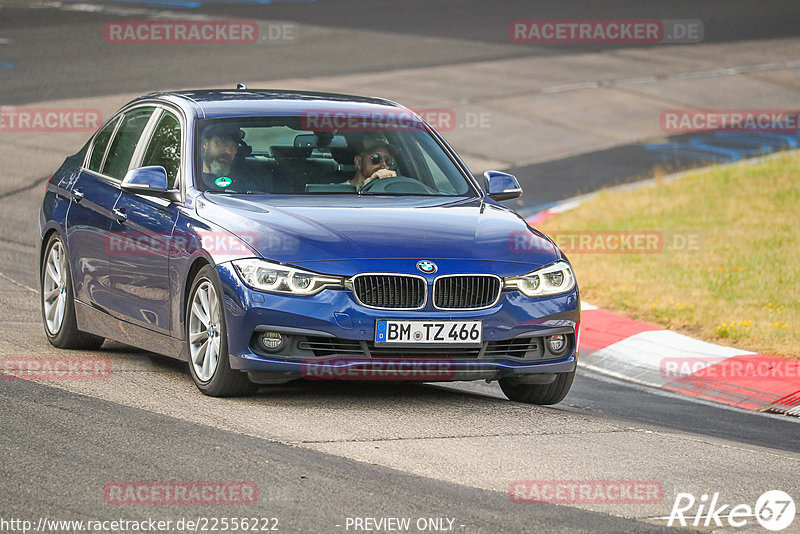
124	144
165	147
439	177
100	145
441	169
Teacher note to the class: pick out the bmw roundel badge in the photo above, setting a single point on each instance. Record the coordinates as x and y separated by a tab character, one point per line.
427	267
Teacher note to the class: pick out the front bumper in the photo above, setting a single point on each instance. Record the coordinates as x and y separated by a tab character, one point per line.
329	336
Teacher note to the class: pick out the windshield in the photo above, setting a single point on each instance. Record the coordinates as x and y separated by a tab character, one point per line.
286	155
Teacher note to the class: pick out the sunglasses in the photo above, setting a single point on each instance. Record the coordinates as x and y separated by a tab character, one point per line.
376	159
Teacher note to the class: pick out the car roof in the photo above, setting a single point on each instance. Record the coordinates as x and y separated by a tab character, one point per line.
218	103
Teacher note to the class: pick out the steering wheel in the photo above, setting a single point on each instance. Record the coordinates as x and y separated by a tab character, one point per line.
396	184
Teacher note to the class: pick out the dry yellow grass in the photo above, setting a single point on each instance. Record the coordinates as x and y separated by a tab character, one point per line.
738	287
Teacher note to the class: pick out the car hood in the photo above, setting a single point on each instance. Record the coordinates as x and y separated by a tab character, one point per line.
321	229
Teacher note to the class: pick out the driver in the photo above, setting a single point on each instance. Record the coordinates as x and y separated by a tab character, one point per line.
374	162
220	145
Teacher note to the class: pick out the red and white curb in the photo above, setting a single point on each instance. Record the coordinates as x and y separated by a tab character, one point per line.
625	348
638	352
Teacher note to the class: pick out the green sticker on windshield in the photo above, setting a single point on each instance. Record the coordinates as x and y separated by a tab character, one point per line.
223	181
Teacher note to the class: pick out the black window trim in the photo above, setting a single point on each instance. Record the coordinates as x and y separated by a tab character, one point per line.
88	158
118	117
149	132
183	122
138	154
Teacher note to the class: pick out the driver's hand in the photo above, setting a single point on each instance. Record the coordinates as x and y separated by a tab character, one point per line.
380	173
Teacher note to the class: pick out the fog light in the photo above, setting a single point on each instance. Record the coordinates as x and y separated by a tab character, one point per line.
557	344
271	341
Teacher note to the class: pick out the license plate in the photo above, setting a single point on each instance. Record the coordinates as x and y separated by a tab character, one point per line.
450	332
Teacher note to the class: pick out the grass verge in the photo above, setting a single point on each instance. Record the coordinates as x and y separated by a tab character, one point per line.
714	255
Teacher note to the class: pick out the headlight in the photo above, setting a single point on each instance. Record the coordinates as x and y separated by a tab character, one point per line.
551	280
275	278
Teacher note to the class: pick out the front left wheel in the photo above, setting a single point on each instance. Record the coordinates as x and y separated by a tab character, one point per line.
207	341
58	301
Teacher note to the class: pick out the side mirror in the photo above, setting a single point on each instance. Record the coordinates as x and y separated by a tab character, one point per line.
149	181
501	185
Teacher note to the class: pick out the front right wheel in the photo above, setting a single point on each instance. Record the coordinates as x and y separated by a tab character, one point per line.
543	394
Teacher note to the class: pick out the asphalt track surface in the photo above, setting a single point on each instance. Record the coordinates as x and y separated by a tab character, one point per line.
320	453
88	442
65	62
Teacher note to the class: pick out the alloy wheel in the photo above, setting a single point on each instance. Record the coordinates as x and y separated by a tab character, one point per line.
54	287
205	321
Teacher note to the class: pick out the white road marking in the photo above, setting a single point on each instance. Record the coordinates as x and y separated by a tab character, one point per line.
639	80
155	14
20	284
696	74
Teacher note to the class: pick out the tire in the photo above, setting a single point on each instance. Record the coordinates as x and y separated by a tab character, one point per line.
207	341
57	300
542	394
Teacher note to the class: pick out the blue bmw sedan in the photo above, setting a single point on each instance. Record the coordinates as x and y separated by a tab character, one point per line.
270	236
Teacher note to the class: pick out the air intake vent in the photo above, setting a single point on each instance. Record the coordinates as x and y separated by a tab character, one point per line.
466	292
390	291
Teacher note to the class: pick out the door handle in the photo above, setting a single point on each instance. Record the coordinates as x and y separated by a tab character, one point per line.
77	195
119	215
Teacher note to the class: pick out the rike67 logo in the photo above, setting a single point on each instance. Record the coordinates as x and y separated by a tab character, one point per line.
774	510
